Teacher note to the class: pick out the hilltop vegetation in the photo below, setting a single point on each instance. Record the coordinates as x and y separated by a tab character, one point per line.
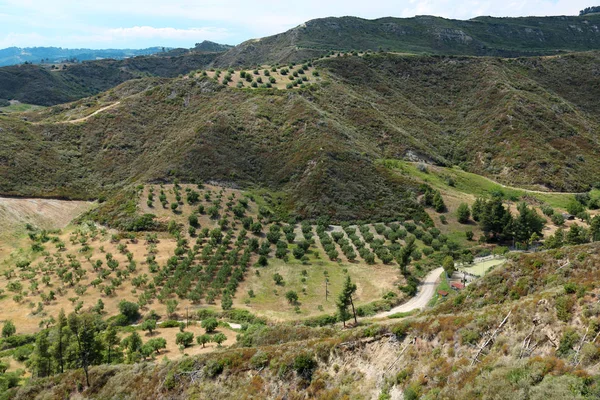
481	36
52	84
211	47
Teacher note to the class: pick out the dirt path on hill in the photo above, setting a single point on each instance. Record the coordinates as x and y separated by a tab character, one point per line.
82	119
425	292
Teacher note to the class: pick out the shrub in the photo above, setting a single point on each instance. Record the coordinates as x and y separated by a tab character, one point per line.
129	310
184	338
570	287
219	338
463	213
118	320
206	313
567	341
278	278
321	320
548	211
8	329
260	359
410	393
210	324
170	323
401	330
213	368
563	305
557	219
589	353
469	336
304	365
292	297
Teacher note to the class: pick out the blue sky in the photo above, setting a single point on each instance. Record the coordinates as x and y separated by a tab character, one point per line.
181	23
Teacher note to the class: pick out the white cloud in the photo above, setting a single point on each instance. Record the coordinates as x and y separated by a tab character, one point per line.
149	32
115	37
17	39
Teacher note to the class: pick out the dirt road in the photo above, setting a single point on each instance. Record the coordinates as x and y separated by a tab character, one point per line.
424	294
82	119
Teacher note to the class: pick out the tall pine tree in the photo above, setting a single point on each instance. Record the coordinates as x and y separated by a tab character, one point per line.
345	300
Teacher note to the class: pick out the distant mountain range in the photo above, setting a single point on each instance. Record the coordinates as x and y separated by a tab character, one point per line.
50	55
47	55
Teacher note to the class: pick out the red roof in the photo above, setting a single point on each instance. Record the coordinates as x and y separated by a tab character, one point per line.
457	285
442	293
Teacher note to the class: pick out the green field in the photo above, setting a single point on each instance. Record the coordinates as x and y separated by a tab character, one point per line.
21	107
482	268
308	281
456	180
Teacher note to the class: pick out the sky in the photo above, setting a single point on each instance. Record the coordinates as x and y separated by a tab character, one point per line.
182	23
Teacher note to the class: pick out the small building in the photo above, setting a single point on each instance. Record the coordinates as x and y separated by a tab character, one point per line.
442	293
568	217
457	286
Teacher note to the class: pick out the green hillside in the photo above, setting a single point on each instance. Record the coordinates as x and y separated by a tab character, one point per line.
481	36
352	209
54	84
319	144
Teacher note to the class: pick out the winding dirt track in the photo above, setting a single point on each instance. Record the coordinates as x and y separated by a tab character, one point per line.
425	292
82	119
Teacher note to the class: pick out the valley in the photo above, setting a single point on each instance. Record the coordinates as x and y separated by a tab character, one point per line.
390	208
